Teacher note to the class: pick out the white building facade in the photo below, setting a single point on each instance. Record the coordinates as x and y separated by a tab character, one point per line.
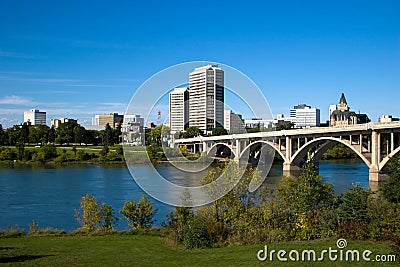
206	98
304	116
35	117
233	122
178	109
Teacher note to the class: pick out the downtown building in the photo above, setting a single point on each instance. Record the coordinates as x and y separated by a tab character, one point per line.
35	117
304	116
206	98
179	109
112	119
233	122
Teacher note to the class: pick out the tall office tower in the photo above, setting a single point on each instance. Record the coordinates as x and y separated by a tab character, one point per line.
35	117
206	98
304	116
178	109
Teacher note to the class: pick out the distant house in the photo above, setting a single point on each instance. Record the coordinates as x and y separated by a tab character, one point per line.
342	116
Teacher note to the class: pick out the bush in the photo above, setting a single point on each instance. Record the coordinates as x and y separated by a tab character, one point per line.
354	204
139	215
94	217
391	187
197	234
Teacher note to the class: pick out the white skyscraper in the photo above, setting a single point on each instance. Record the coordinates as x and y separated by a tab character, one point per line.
35	117
178	109
304	116
206	98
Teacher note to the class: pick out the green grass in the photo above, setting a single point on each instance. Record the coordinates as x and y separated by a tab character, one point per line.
153	250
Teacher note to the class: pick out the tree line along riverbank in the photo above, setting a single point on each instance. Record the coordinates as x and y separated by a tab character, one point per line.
298	209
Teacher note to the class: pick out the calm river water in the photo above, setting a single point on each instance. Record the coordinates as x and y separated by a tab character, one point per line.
50	196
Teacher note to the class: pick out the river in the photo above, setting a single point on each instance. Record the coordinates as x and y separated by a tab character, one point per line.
50	196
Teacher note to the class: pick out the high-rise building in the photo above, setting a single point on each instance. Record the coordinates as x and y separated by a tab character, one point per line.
178	109
206	98
233	122
304	116
113	119
35	117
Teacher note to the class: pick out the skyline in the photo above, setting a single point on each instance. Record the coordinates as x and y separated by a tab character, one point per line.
76	60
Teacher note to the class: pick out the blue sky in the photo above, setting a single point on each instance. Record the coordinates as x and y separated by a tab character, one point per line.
78	58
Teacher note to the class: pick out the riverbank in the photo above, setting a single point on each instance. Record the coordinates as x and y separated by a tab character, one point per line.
154	248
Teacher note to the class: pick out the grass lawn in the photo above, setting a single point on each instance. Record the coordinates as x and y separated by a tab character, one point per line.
150	250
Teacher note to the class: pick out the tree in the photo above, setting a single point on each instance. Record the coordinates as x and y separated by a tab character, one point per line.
108	139
191	132
65	132
219	131
20	148
306	192
354	205
2	135
391	187
94	217
49	151
13	135
52	134
117	134
80	134
139	215
38	133
24	135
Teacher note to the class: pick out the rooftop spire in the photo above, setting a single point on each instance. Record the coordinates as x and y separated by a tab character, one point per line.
342	99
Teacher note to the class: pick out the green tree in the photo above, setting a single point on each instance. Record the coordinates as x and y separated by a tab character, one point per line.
191	132
80	134
108	139
65	132
20	148
14	135
2	135
354	205
117	132
306	192
139	215
74	150
94	217
52	135
24	134
158	136
391	187
219	131
38	133
49	151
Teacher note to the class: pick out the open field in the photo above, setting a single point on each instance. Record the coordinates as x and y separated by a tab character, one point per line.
155	250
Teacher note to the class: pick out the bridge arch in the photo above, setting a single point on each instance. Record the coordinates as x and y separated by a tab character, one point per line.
383	163
302	152
274	146
217	145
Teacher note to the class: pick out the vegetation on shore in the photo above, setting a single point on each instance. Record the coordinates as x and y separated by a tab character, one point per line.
301	209
152	248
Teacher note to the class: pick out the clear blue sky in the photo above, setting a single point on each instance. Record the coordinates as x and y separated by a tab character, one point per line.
79	58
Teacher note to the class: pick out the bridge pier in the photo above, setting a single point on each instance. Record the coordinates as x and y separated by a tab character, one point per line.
376	176
290	169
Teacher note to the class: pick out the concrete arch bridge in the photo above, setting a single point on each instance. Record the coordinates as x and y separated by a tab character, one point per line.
374	143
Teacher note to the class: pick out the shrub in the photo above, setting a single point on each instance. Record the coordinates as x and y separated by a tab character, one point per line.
354	204
139	215
197	234
94	217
